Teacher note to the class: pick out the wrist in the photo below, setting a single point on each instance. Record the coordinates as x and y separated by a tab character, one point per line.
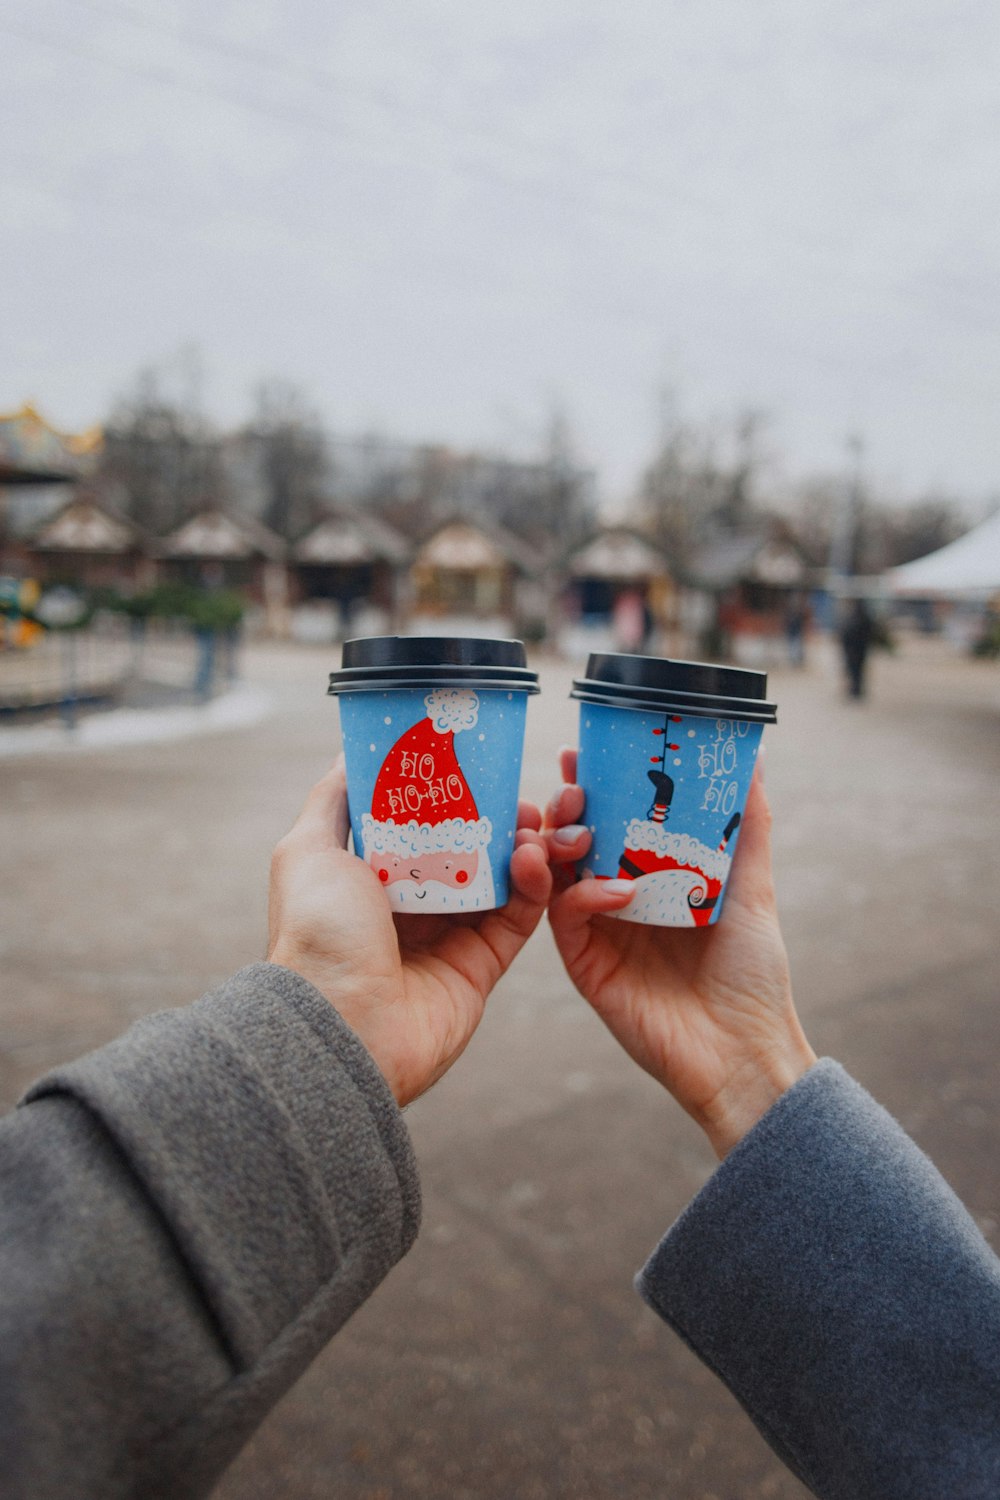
751	1091
357	1008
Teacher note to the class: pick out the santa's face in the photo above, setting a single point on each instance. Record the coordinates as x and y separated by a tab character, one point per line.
437	882
419	870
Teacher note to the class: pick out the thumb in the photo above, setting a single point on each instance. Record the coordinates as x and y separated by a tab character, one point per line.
323	823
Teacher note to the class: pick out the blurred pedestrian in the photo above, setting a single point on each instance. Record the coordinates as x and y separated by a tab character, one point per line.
856	634
629	622
796	617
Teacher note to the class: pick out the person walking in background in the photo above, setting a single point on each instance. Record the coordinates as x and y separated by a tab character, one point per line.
856	635
796	616
629	622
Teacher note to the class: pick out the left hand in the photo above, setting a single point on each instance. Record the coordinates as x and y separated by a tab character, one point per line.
708	1012
413	988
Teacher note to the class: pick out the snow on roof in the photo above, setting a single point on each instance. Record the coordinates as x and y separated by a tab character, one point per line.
86	526
467	547
617	553
215	533
347	536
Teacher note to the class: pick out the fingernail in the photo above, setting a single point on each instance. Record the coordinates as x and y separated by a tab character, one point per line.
569	834
618	887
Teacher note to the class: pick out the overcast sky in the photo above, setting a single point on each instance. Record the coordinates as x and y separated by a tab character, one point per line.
440	217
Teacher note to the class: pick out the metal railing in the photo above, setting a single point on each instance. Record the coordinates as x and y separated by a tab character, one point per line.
108	661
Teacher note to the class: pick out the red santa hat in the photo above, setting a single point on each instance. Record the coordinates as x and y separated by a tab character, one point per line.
421	803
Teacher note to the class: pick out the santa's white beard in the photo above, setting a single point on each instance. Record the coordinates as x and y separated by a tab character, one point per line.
431	896
661	899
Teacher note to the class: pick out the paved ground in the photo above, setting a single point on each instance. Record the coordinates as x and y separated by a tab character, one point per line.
508	1358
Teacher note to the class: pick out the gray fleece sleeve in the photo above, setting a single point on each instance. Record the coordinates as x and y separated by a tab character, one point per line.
832	1279
186	1217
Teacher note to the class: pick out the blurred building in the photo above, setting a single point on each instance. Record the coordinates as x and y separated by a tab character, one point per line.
423	536
32	451
474	579
37	461
90	545
219	548
743	587
347	577
618	595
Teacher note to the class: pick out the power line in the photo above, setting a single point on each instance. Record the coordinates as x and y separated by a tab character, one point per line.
259	57
478	172
165	78
150	208
284	65
481	173
555	156
652	191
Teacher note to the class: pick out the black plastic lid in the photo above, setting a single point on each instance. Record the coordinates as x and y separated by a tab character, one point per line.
705	689
383	662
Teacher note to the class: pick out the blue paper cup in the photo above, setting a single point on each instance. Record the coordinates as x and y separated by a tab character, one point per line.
667	751
433	731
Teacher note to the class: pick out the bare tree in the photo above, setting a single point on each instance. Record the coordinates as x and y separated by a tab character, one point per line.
816	508
702	479
291	456
838	519
898	534
545	500
159	455
741	475
549	502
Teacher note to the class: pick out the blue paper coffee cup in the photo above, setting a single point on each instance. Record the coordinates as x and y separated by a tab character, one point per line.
667	751
433	731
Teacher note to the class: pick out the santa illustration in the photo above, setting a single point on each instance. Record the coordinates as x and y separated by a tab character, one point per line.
678	878
424	837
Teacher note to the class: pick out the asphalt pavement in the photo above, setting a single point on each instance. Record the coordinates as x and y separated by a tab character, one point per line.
508	1358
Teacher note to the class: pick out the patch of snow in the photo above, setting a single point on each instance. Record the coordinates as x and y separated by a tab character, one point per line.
240	708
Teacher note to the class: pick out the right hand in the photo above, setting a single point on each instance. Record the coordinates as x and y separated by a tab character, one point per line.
708	1011
413	988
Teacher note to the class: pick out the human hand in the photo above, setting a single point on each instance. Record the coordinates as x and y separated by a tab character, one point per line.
413	988
707	1011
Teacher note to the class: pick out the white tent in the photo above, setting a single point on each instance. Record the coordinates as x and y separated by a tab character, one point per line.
966	568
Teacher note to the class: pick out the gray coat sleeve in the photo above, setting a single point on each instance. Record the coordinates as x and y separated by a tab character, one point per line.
186	1217
836	1284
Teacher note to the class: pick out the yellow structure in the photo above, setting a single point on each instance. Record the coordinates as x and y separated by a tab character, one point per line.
32	451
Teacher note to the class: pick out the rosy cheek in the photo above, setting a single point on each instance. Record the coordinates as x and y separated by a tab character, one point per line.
461	876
